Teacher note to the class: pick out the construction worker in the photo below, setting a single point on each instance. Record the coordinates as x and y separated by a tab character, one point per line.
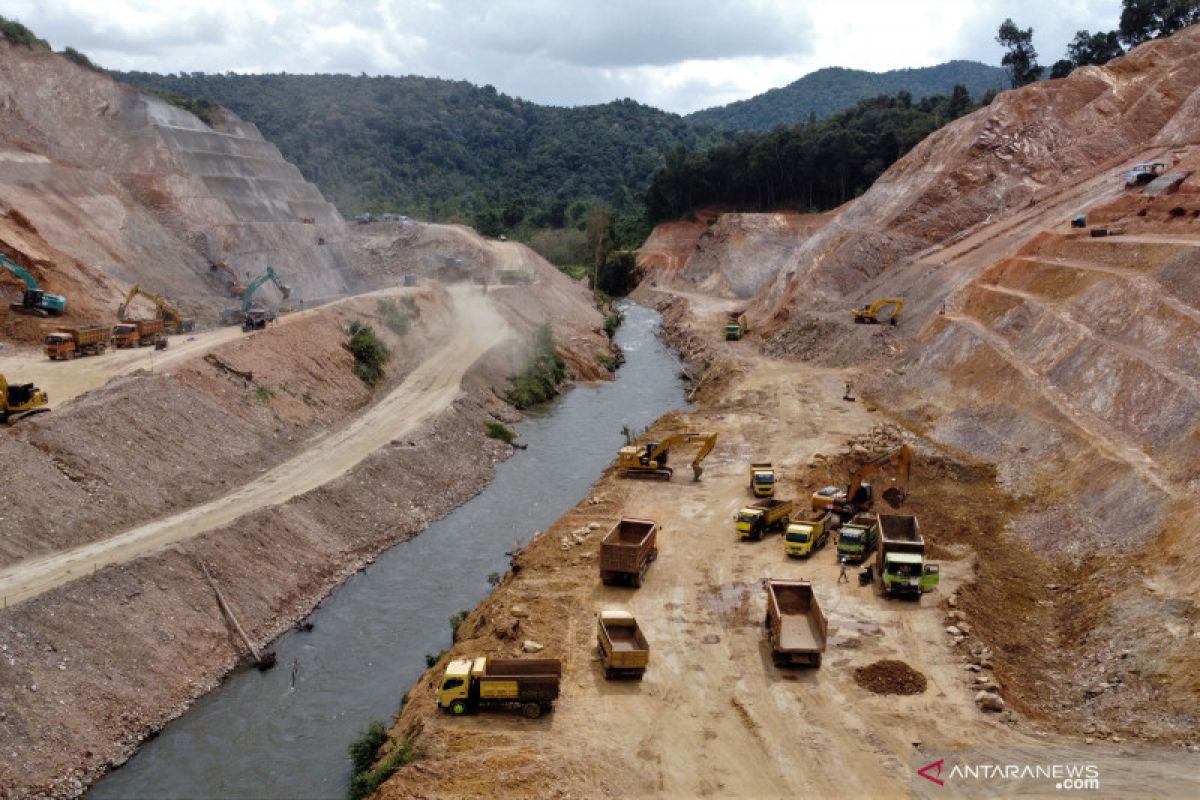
842	576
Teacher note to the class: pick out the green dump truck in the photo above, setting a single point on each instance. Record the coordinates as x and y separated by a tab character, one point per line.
900	558
856	540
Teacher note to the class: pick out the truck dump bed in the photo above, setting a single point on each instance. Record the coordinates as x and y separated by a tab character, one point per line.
513	667
797	623
899	528
628	545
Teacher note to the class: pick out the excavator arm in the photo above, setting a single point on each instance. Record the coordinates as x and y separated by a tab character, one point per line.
900	461
707	442
166	312
235	286
269	275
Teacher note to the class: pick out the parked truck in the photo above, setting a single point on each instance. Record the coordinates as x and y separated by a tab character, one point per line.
624	652
470	685
756	519
856	539
808	533
627	550
735	326
762	479
87	340
796	627
138	333
900	558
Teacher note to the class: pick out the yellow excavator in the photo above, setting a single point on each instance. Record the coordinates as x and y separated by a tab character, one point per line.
869	315
649	460
20	400
169	314
860	495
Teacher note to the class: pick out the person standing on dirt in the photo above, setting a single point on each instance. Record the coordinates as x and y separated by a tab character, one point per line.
842	576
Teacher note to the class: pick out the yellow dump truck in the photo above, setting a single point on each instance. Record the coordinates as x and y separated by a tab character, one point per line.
756	519
808	533
762	479
470	685
86	340
624	652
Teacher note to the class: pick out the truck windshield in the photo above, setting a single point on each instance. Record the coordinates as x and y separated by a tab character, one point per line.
760	478
850	536
797	536
452	683
747	517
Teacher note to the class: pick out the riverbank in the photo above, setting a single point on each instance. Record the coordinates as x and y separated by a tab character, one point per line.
713	716
92	668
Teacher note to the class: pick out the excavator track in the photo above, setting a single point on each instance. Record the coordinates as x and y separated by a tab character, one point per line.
665	473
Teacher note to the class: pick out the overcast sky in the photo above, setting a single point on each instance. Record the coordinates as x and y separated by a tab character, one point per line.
680	55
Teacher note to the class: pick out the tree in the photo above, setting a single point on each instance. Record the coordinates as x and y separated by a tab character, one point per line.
599	239
1094	48
960	101
1143	20
1021	58
1062	68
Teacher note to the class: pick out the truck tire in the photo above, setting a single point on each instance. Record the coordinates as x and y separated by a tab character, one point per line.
531	710
816	661
458	708
636	580
609	673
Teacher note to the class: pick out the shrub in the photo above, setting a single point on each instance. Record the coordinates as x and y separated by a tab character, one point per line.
71	54
607	361
612	322
457	620
395	317
561	246
369	353
498	430
431	659
544	370
18	34
263	393
365	782
366	745
494	579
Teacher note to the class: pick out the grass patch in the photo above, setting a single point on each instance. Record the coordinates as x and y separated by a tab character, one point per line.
544	370
71	54
398	317
512	277
309	400
498	430
363	749
612	322
574	271
607	361
18	34
263	393
457	620
366	782
370	354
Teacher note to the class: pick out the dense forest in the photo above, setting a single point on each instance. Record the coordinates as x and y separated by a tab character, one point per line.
448	150
828	91
813	166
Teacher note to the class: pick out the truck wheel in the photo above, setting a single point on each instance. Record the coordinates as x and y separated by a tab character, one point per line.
458	708
609	673
531	710
637	581
816	661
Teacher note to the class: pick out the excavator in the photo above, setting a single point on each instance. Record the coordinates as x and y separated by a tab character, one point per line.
869	315
649	460
236	289
34	301
860	495
255	318
19	400
169	314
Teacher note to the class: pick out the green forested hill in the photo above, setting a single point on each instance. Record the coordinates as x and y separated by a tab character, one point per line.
828	91
441	149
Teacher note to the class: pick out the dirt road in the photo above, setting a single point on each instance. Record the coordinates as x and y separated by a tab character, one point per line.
428	389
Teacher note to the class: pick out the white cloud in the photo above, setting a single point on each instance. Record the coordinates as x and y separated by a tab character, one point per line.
675	54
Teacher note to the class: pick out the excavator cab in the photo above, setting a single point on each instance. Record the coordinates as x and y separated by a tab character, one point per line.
20	400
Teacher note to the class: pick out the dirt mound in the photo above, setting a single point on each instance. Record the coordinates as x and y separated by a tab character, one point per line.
890	677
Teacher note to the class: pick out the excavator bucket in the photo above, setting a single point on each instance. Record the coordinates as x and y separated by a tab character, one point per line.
895	496
697	471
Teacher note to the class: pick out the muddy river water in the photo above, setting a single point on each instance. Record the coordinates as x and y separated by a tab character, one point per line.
284	733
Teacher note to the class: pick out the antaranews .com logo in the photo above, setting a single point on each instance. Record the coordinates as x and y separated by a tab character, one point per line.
1062	776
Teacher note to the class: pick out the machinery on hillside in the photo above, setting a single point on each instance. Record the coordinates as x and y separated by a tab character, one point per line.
444	267
235	286
859	496
249	315
736	326
649	460
34	300
869	315
173	321
19	400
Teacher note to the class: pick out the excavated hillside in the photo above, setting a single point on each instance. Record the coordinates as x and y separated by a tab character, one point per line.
146	193
1063	358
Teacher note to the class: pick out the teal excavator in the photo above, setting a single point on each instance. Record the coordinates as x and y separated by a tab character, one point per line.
35	301
250	316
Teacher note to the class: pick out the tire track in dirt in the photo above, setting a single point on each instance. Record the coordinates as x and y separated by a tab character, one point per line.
428	389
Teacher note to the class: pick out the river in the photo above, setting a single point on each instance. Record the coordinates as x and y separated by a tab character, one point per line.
284	733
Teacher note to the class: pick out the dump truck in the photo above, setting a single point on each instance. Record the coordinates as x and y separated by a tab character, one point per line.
627	550
472	684
762	479
796	627
139	333
88	340
624	652
900	558
735	327
808	533
856	540
756	519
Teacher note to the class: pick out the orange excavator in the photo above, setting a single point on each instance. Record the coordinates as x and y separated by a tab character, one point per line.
860	495
649	460
235	285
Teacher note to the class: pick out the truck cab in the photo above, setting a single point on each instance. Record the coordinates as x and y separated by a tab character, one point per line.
907	573
125	335
59	345
762	480
802	538
856	541
751	523
454	693
733	331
